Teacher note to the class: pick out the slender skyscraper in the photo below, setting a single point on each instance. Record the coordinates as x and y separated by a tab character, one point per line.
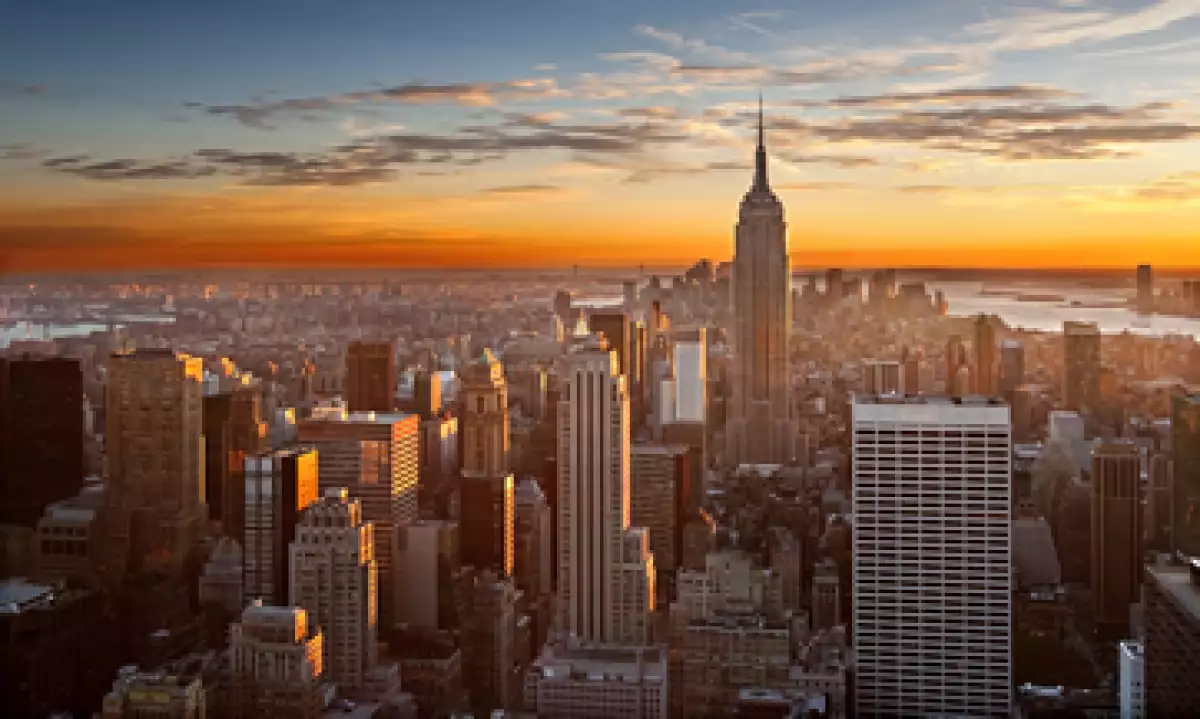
487	484
606	571
760	429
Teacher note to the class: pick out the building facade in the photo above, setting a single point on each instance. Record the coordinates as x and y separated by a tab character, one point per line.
487	486
578	681
334	578
277	664
1172	640
1116	536
279	484
1185	482
41	435
154	448
376	458
932	557
1081	366
606	570
370	377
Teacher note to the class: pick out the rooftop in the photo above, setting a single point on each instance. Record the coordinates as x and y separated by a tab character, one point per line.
1176	581
18	595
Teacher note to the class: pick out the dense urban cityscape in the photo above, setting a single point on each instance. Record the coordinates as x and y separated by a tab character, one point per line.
731	491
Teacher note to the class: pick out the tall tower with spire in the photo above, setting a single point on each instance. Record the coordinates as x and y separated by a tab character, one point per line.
760	427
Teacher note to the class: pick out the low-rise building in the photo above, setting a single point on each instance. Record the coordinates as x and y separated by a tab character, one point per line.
577	681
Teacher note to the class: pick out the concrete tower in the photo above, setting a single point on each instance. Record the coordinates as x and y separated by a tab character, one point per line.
760	428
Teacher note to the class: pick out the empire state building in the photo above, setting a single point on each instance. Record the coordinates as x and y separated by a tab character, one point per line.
760	427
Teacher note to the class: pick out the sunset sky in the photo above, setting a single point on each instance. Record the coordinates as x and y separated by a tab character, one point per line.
143	133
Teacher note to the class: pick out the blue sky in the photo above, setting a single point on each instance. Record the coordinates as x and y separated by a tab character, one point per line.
542	111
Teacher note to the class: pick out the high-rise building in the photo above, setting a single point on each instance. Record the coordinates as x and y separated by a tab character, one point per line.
1012	369
154	448
1131	678
956	360
277	664
760	428
615	328
56	649
335	579
376	457
427	393
1145	288
691	376
370	377
1185	482
1081	366
41	435
490	646
431	581
487	488
1116	535
533	565
826	595
985	370
660	498
233	429
932	557
883	377
605	568
1172	643
279	485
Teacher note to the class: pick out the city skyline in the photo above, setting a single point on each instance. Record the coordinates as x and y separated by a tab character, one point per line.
445	136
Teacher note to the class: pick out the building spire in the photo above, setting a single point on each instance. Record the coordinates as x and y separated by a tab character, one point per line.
760	155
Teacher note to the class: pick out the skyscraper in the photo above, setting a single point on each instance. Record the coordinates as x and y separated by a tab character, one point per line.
279	485
1012	369
370	377
1116	535
1145	288
760	429
1172	645
41	435
155	494
1081	366
1185	491
615	328
984	373
691	376
932	558
956	359
375	457
606	570
334	578
487	485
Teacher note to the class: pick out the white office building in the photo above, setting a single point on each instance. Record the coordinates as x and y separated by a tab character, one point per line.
606	570
932	557
1132	677
691	375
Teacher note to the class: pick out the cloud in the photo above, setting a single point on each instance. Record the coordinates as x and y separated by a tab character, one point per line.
126	169
20	151
529	189
28	90
259	115
954	96
1037	29
1011	133
694	46
816	186
545	67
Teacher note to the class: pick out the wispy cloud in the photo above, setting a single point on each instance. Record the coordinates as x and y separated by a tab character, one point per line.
1037	29
693	46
